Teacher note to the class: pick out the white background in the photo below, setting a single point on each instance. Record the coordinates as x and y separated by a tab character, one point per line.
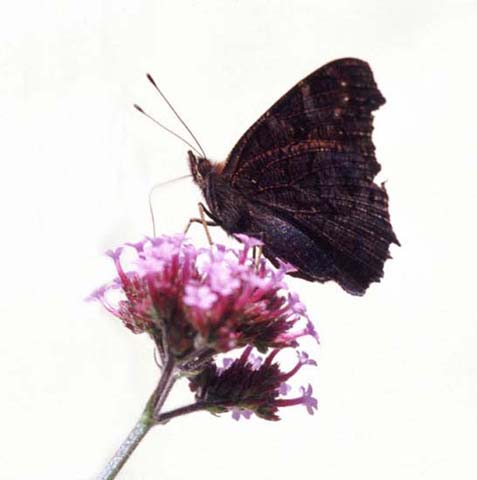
397	376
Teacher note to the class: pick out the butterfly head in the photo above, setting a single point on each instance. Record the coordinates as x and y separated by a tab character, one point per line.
200	169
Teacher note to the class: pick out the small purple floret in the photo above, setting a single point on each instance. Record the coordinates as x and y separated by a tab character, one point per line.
199	296
308	401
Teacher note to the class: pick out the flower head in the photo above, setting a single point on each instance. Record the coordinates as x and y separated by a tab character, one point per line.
245	386
202	300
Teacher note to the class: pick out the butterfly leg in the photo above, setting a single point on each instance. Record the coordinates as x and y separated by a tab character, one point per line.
199	220
257	251
206	224
257	255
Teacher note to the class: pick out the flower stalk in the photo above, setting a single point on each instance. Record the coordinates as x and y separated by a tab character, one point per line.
147	420
123	453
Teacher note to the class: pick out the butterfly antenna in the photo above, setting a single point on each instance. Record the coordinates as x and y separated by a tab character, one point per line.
149	77
151	191
139	109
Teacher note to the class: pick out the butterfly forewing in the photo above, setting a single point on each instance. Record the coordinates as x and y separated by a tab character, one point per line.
330	110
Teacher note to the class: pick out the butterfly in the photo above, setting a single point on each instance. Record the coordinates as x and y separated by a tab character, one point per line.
301	180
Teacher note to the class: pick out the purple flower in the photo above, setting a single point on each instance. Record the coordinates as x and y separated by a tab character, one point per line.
237	413
245	386
307	400
192	301
199	296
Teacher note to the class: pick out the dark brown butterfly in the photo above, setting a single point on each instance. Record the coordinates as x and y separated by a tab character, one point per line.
301	180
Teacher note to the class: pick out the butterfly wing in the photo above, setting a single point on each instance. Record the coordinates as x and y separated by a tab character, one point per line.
309	161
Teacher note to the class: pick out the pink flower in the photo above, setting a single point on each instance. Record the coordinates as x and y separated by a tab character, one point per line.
193	301
200	296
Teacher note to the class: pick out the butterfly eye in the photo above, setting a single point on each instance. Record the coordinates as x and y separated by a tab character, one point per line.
200	168
204	167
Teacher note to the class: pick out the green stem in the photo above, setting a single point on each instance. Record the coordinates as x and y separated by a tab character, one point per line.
178	412
143	425
126	449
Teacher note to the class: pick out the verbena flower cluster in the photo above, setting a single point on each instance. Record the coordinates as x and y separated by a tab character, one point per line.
249	385
198	302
